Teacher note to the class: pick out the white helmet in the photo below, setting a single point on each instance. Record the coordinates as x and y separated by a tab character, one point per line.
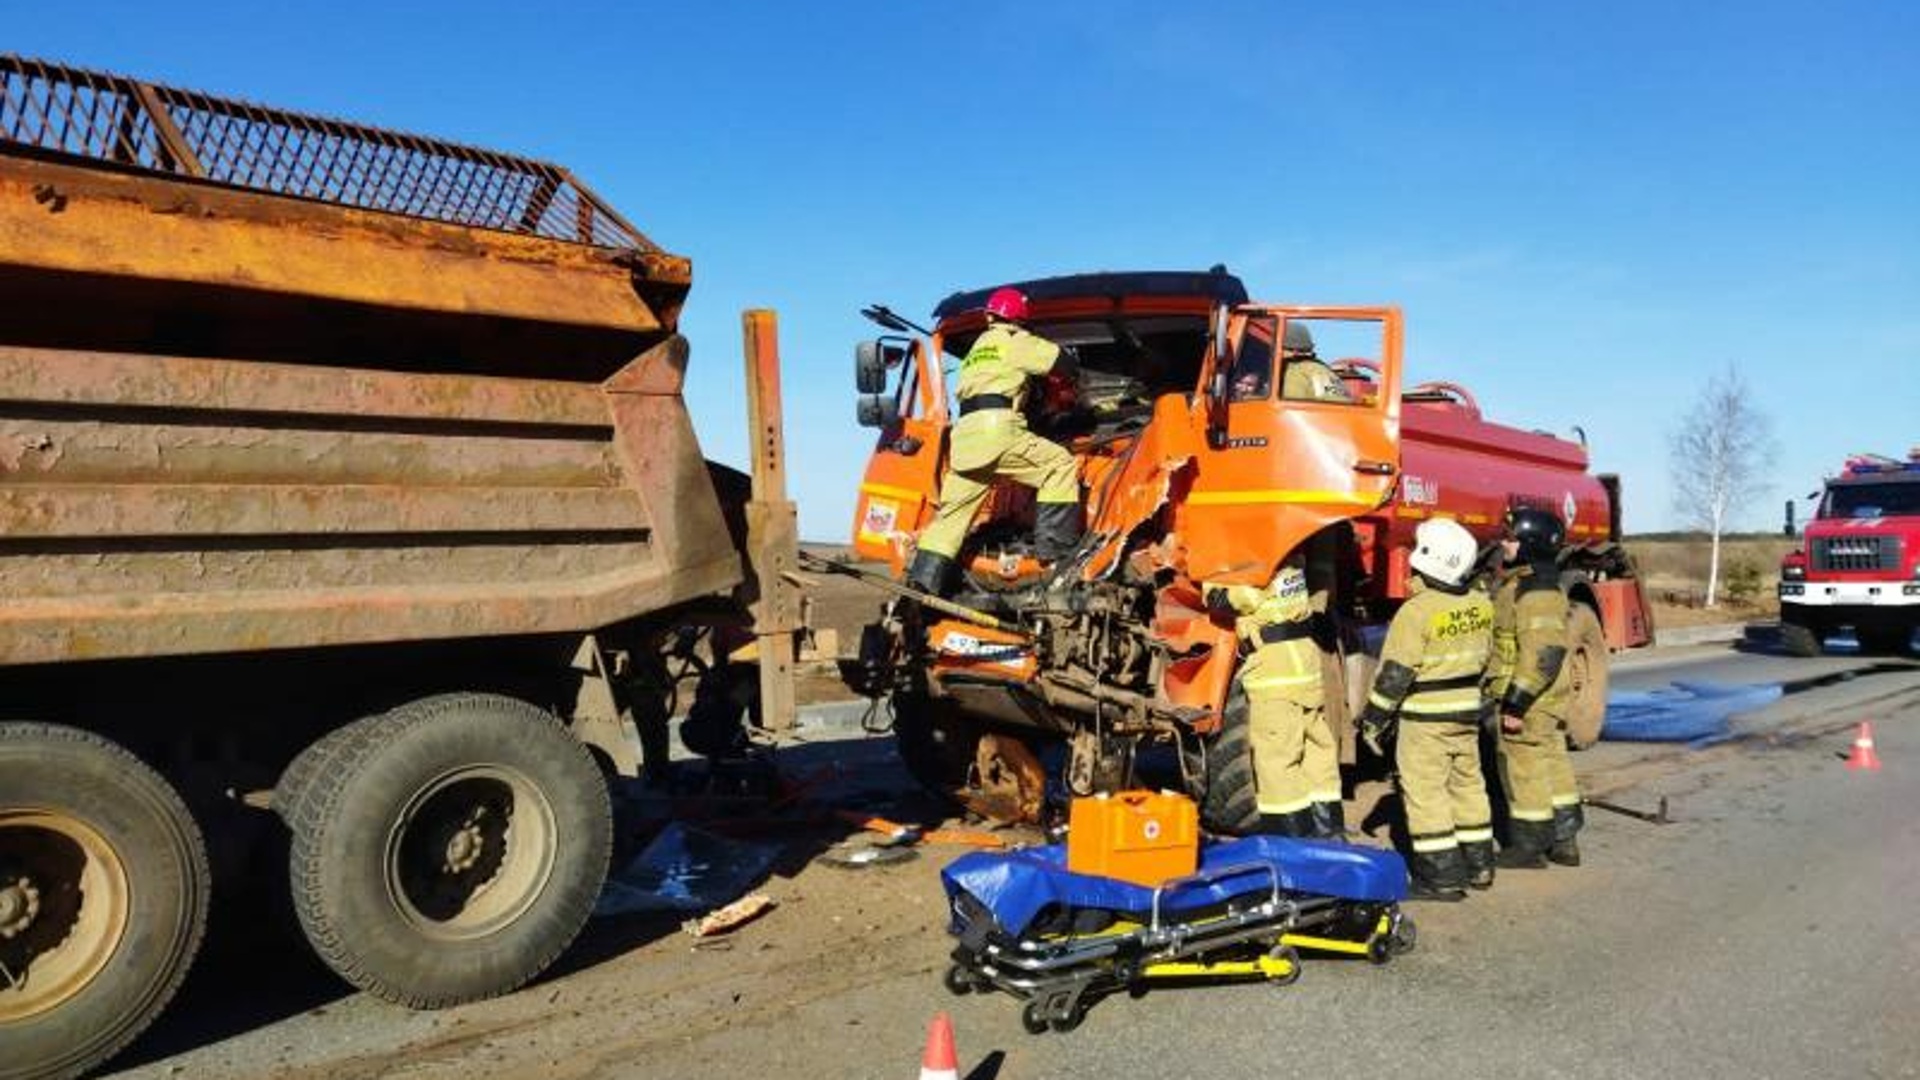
1443	550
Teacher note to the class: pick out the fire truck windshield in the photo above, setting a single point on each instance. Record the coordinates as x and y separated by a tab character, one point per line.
1872	500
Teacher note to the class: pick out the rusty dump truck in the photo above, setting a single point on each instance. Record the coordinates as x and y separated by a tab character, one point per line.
344	474
1196	467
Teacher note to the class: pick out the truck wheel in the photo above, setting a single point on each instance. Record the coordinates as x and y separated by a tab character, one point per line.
936	743
1799	640
296	780
452	849
103	898
1230	804
1586	677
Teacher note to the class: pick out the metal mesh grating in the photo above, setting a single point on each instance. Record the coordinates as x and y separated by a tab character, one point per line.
63	110
1856	553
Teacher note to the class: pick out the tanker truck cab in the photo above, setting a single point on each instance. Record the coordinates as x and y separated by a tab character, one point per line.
1859	563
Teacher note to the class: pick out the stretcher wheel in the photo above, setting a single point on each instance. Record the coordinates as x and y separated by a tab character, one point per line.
1064	1024
1404	936
1380	949
1291	956
1033	1016
958	980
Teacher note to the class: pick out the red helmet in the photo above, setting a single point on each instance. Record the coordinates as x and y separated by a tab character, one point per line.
1009	304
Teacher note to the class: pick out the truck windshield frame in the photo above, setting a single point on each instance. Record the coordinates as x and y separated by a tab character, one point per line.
1884	499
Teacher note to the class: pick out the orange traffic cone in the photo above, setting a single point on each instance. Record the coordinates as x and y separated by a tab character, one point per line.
1863	756
938	1062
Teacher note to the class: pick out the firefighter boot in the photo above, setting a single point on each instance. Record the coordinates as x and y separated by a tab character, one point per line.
1438	875
1056	531
1527	845
1566	825
1479	859
1330	820
930	573
1298	824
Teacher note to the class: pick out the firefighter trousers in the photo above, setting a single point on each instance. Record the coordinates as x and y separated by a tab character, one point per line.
1277	734
1536	770
1441	785
1026	459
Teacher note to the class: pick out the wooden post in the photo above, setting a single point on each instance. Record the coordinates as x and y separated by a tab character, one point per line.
773	531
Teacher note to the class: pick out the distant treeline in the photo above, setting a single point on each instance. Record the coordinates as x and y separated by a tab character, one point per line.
1700	537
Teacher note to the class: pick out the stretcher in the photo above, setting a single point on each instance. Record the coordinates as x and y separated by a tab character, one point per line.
1060	941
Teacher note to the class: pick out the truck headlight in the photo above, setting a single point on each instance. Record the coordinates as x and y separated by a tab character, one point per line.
1793	572
1796	590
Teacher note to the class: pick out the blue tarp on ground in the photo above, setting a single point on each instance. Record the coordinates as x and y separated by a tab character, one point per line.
1682	711
1016	886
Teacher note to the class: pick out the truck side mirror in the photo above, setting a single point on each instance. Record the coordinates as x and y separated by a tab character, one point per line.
1787	528
877	411
1218	386
871	362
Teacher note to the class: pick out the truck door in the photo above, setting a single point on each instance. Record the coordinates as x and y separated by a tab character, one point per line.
1302	430
904	395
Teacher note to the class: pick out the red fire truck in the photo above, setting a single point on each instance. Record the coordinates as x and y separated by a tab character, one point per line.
1859	563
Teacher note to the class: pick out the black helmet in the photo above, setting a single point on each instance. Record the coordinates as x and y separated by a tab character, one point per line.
1539	532
1298	339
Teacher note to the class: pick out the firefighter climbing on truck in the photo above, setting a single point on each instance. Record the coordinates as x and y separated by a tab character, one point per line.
992	440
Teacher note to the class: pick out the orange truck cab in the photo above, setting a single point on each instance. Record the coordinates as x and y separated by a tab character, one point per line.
1195	467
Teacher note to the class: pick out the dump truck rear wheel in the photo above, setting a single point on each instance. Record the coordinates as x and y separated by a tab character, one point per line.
1229	803
1586	677
103	898
1799	640
453	849
296	780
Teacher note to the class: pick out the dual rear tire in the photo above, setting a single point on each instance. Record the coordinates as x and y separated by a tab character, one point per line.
446	851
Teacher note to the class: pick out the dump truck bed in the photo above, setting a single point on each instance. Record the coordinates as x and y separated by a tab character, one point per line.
270	380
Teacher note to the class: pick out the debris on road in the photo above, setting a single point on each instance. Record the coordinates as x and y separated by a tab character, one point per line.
685	869
731	917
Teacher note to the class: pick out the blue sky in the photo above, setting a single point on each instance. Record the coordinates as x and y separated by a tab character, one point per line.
1584	209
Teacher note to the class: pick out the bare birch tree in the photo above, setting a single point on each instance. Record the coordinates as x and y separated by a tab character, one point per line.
1720	453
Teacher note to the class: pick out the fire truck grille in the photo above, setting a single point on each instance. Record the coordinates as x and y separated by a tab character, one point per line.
1856	553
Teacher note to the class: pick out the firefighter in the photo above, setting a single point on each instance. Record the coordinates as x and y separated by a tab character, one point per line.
1529	682
1431	667
991	440
1296	766
1304	376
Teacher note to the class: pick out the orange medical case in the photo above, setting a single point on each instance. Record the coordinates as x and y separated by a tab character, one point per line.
1144	837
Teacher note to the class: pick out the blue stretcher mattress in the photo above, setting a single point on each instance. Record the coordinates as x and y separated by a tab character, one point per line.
1016	886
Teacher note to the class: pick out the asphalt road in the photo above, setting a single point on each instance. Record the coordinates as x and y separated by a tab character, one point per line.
1769	931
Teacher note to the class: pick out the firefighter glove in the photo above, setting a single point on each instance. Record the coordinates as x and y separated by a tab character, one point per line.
1375	726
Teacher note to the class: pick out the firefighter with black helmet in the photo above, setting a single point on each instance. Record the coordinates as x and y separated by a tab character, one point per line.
990	440
1528	682
1431	668
1296	765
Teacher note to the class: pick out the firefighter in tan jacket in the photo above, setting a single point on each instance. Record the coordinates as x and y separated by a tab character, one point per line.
1431	668
1296	766
990	440
1529	681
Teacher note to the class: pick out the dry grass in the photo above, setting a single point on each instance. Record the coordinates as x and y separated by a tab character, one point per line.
1675	572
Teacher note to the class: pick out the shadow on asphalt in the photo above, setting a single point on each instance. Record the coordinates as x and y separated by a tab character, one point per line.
256	969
